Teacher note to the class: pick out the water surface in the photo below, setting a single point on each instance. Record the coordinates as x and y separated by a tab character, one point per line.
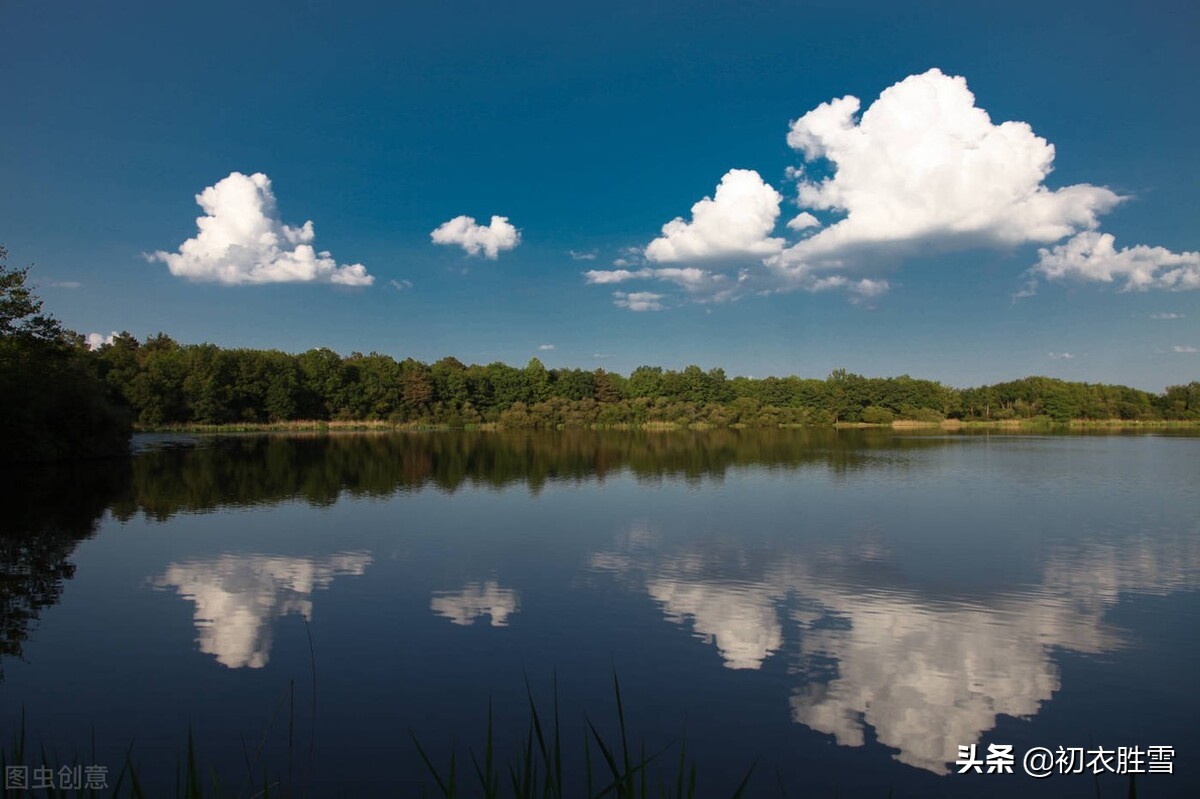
848	608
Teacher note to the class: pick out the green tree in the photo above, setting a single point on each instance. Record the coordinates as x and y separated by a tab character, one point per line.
53	403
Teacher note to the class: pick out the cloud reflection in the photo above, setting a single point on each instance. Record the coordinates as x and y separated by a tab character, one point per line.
237	598
927	673
476	600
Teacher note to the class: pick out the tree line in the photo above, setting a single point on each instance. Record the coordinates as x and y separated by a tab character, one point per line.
53	401
164	383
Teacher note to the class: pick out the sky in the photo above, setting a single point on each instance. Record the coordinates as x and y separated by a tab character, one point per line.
944	190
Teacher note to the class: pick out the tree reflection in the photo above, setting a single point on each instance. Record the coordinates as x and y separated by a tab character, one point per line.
47	512
267	469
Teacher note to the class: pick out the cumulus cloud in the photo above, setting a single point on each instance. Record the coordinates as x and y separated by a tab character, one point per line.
1061	356
241	240
545	347
920	170
1184	350
95	341
638	301
736	222
924	168
803	221
581	256
1093	256
491	240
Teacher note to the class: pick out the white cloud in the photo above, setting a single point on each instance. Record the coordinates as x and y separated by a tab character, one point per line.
95	341
604	276
705	284
735	222
545	347
803	221
924	168
861	290
1184	350
1093	256
66	284
497	237
1167	315
581	256
400	285
638	300
921	171
1061	356
241	239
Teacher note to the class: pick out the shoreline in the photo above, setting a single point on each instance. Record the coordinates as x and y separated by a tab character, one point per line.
383	426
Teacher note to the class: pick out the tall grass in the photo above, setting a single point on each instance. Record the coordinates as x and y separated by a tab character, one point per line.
535	769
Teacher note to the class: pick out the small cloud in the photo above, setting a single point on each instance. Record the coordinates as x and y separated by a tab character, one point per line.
545	347
602	276
1184	350
1061	356
638	300
95	341
601	355
1028	289
491	240
803	221
582	256
66	284
400	285
1167	315
242	239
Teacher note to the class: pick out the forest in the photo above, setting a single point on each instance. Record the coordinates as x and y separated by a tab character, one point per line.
166	383
58	398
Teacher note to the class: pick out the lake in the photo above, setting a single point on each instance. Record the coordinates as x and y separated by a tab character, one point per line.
844	608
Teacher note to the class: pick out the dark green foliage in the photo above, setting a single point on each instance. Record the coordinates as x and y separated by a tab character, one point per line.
61	399
169	384
53	402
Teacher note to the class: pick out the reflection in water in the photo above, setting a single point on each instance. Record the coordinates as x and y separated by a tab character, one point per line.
222	472
47	511
238	597
476	600
927	674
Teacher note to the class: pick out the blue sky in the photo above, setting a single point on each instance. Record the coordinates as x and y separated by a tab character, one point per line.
587	129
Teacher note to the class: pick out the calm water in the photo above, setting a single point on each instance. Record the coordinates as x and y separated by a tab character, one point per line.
846	608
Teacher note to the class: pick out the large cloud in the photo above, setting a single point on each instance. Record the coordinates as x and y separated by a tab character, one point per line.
1093	256
242	240
925	168
734	223
921	170
491	240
